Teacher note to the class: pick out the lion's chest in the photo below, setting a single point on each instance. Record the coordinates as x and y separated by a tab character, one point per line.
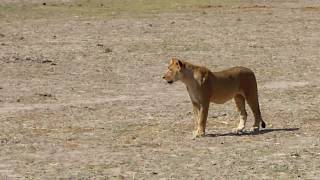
194	94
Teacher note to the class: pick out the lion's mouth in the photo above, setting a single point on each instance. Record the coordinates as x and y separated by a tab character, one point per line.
170	82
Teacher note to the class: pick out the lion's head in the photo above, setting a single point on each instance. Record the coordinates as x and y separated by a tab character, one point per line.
174	71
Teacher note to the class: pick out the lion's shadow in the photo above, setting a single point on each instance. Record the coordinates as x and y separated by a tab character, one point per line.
248	133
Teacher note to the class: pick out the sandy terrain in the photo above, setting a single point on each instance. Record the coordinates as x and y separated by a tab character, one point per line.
81	94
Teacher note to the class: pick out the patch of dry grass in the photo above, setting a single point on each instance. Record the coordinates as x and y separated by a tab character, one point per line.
102	8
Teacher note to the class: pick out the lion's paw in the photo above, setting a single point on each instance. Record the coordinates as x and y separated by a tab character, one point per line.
254	130
237	130
197	134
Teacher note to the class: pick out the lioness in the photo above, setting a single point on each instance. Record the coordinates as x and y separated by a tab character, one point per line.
205	86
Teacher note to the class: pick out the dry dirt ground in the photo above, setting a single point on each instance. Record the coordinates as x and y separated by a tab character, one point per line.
81	94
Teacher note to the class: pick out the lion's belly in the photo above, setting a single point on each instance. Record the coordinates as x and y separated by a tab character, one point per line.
222	98
222	94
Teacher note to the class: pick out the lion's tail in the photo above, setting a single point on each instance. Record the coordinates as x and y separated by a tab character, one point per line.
263	124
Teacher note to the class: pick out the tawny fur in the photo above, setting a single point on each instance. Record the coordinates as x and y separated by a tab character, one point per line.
204	86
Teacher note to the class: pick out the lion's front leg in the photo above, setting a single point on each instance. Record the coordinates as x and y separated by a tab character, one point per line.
201	120
196	110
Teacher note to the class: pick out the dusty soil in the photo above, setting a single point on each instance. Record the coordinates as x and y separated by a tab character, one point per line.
81	95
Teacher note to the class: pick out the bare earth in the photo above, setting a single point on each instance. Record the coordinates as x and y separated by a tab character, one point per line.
81	96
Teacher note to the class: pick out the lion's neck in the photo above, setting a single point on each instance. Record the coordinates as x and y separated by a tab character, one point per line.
188	77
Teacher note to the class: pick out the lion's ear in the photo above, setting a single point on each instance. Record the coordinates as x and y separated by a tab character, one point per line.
173	60
180	64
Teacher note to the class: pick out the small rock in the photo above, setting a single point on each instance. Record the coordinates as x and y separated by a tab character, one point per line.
172	22
44	94
21	38
3	44
4	141
89	108
28	58
54	37
16	58
150	25
2	35
101	5
46	61
219	115
100	45
154	173
209	6
295	155
107	50
44	3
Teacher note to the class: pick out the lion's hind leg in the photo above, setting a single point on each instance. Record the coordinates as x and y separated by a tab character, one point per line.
240	103
253	102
